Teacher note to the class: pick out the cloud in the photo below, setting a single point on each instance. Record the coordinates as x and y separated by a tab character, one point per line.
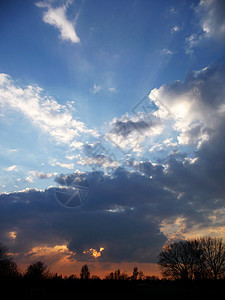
96	89
124	234
112	89
212	14
63	165
44	112
96	156
191	42
175	29
11	168
128	132
131	212
57	18
195	105
41	175
166	51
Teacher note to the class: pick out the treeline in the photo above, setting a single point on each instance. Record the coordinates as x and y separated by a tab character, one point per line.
196	259
39	271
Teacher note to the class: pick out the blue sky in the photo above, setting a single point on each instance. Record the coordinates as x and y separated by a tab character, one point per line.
116	88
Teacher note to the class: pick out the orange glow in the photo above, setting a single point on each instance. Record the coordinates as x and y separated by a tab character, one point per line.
12	235
57	252
94	252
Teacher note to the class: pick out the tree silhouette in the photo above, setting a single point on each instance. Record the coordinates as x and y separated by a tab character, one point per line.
198	258
178	259
85	272
213	256
8	268
37	271
135	273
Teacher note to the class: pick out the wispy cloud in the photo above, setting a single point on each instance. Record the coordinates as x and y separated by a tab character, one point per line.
63	165
11	168
175	29
96	88
166	51
57	18
212	14
112	89
45	112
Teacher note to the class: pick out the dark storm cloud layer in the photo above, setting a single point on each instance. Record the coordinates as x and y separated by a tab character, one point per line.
126	234
126	208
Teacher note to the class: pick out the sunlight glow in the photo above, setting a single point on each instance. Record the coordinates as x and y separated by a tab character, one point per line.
94	252
12	235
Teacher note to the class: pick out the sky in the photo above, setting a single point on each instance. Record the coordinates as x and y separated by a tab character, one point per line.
112	130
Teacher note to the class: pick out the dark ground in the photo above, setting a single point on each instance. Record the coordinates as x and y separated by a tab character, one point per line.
74	288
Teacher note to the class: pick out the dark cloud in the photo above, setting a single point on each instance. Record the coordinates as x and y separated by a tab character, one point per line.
126	127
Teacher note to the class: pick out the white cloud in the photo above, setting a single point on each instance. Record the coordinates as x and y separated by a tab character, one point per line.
76	145
11	168
194	106
128	133
57	18
172	11
166	51
100	160
96	89
63	165
175	29
112	89
40	175
191	42
45	112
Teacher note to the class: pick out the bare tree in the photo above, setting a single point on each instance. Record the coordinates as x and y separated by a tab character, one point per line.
85	272
8	268
199	258
177	260
213	258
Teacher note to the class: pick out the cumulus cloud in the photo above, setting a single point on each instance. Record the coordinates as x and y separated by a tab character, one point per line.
128	132
45	112
57	18
41	175
96	155
130	213
195	105
124	234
